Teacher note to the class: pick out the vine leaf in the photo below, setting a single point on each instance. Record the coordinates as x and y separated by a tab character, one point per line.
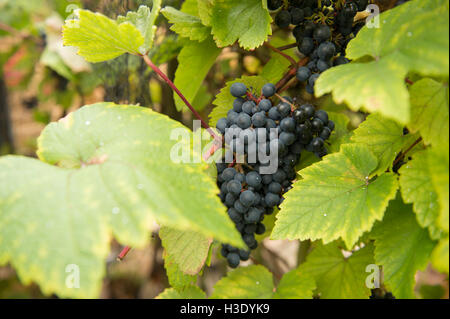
295	285
114	176
337	276
247	22
384	138
429	111
438	162
224	100
144	20
99	38
188	249
190	292
336	198
186	25
256	282
401	45
417	189
194	56
205	11
177	278
439	256
402	247
252	282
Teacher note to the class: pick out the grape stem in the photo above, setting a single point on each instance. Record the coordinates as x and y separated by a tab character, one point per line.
170	83
290	74
289	58
288	46
402	155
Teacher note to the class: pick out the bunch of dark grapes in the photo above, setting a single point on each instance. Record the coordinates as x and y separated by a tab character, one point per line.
322	31
254	129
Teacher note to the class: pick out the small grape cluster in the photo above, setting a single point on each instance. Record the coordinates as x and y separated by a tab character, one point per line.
253	129
322	31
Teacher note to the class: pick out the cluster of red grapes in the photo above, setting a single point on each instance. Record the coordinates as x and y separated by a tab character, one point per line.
263	143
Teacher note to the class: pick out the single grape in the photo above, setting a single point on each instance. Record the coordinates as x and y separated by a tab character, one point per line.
306	46
247	107
260	229
274	114
303	73
221	125
322	115
297	16
252	216
244	120
323	65
234	187
268	90
238	89
283	19
237	104
233	260
287	138
272	199
317	125
244	254
265	105
326	50
247	198
287	124
253	179
259	119
240	208
325	134
284	109
322	33
330	125
228	174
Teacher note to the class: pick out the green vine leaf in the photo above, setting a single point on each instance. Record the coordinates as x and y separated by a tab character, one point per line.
336	198
429	111
191	292
384	138
144	20
438	162
252	282
114	176
401	45
337	276
439	256
247	22
295	285
177	278
205	11
224	100
417	189
99	38
194	56
186	25
188	249
402	247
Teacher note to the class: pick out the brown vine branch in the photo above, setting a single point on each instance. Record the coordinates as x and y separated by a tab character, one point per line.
402	155
290	74
287	47
170	83
289	58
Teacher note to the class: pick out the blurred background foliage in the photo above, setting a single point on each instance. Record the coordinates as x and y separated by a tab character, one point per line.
41	81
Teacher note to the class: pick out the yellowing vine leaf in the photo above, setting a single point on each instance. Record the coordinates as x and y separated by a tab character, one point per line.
336	198
106	170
